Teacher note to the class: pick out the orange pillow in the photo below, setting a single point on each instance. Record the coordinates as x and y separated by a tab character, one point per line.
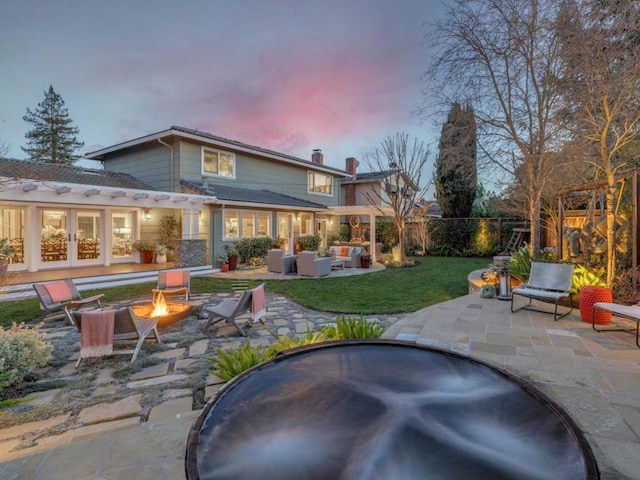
344	251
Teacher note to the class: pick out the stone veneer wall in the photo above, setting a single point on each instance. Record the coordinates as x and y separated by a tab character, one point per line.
190	253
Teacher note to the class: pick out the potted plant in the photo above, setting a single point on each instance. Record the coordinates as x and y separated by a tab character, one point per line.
161	253
6	250
590	285
223	262
146	249
232	254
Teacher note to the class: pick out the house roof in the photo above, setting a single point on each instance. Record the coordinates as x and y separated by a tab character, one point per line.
26	169
227	194
368	177
208	138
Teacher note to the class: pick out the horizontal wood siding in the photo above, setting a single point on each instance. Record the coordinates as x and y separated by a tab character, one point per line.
255	173
151	164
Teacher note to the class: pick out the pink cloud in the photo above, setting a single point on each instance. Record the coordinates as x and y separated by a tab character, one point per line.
290	97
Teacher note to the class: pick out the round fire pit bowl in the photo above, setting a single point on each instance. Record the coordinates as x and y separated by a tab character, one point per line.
383	410
177	312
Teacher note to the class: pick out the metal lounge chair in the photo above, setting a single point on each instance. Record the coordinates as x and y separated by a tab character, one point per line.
547	282
61	297
229	309
629	312
173	282
128	328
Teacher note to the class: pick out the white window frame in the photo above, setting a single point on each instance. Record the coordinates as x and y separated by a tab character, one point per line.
207	150
312	183
244	214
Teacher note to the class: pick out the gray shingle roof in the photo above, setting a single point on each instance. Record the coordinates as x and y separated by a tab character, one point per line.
368	177
205	136
236	194
49	172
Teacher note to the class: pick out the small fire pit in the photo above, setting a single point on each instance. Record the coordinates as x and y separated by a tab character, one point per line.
166	312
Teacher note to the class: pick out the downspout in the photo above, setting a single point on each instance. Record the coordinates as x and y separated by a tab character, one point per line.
172	160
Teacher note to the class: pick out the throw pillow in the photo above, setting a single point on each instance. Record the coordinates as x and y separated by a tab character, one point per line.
344	252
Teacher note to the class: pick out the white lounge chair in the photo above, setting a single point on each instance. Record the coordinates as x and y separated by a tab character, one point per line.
547	282
629	312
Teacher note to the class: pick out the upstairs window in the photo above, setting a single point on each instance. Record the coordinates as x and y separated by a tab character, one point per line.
217	162
319	183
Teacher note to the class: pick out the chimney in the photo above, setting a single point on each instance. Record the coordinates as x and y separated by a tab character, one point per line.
316	156
351	166
350	188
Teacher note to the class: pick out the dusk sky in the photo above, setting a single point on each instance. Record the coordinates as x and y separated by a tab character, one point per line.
291	76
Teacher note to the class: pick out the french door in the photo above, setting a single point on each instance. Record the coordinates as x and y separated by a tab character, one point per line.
285	231
70	237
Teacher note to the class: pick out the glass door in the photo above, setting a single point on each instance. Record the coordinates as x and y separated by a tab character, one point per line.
285	232
12	228
70	237
87	237
122	235
54	238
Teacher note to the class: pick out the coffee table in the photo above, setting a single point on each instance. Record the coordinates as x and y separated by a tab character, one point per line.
335	264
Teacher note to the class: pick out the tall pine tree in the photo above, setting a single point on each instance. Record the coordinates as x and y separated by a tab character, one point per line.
456	173
52	138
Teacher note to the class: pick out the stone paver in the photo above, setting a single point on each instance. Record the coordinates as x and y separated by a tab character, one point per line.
175	353
198	348
156	381
157	370
104	412
171	408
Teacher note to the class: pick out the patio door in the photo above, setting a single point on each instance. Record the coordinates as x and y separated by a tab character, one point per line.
285	231
321	231
70	237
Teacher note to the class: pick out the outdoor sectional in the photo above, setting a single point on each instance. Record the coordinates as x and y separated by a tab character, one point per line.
350	255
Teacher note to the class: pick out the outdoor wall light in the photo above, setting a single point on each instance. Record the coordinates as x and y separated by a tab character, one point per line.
147	213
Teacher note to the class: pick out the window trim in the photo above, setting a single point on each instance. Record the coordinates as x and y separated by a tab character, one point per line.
313	192
204	172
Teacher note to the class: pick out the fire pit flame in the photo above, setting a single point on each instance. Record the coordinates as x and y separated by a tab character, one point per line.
160	308
165	312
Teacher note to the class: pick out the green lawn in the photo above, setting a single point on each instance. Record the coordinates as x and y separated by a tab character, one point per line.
399	290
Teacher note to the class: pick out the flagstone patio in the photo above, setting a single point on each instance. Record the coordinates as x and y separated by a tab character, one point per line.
137	426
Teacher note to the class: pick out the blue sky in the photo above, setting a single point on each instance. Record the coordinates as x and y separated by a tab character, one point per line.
286	75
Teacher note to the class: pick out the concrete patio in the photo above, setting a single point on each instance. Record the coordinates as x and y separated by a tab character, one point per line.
595	377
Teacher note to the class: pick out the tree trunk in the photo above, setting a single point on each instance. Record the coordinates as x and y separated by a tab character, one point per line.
611	235
401	240
534	220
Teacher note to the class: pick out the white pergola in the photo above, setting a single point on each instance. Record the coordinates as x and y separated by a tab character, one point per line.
368	211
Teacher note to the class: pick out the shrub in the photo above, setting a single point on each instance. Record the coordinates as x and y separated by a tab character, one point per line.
584	276
251	248
310	242
22	350
349	328
286	343
230	364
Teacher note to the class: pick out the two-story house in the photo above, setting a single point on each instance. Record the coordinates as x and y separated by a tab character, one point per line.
257	192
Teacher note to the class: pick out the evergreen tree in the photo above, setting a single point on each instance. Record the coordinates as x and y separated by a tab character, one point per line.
52	138
456	173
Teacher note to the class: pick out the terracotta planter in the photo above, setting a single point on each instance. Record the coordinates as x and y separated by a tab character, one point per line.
146	256
591	295
224	267
233	262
